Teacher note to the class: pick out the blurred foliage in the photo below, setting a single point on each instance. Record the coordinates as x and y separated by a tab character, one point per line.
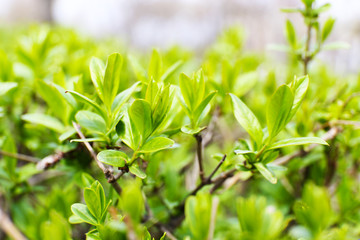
258	134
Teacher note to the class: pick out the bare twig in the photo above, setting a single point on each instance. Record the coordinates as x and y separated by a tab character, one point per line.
50	161
199	151
9	228
108	173
19	156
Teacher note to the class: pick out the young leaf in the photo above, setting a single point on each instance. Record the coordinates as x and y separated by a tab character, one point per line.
88	101
140	115
278	110
171	70
297	141
122	97
299	87
156	144
134	169
291	34
187	90
113	158
6	87
112	78
82	212
97	70
202	105
266	172
44	120
328	26
92	202
155	65
91	121
247	119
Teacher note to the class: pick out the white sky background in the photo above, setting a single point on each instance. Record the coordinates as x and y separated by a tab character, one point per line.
191	23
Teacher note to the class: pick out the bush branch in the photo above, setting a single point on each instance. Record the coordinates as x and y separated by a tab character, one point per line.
107	172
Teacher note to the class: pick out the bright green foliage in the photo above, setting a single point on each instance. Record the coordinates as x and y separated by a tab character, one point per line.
194	100
198	215
95	210
314	210
259	221
132	132
281	108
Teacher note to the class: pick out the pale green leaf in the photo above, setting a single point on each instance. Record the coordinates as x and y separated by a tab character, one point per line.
156	144
113	157
247	119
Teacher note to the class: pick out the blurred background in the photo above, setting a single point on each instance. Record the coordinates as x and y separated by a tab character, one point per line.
193	24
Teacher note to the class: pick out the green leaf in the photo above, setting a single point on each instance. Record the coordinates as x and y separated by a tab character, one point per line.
122	98
82	212
336	46
156	144
52	97
6	87
92	203
88	101
186	88
91	121
155	65
97	70
139	71
198	111
328	26
140	115
299	86
297	141
291	34
113	157
278	110
243	152
67	134
171	70
68	97
44	120
134	169
112	78
266	172
247	119
191	131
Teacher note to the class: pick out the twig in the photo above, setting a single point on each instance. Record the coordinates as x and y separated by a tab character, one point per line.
216	168
206	182
20	156
9	228
307	58
199	151
108	173
50	161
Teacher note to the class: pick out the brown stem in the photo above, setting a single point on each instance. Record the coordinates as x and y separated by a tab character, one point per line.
19	156
307	58
107	172
199	151
9	228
